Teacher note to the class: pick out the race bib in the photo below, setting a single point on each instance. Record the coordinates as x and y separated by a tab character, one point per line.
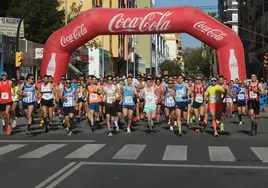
150	100
29	95
69	100
4	96
213	99
180	93
241	96
199	98
46	96
14	97
80	95
129	99
229	99
170	100
253	95
110	99
93	96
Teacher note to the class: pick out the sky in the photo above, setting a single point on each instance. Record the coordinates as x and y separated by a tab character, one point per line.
189	41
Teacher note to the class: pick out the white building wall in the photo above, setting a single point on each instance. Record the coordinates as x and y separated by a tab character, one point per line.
172	47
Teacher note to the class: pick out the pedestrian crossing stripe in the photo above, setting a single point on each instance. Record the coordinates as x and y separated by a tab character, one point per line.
130	152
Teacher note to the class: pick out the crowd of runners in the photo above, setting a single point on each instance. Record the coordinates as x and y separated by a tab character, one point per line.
111	100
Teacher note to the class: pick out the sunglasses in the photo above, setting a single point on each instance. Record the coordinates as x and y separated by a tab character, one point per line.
170	83
68	82
198	79
213	80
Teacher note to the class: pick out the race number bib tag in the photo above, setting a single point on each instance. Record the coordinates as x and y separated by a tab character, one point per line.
128	99
14	97
29	95
199	98
69	100
213	99
241	96
4	96
150	101
253	95
110	99
179	93
80	95
46	96
93	96
170	100
229	99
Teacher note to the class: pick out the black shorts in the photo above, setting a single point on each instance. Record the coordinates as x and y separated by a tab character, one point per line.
183	106
197	104
118	107
240	103
171	108
111	109
3	106
80	100
48	103
255	105
142	100
129	107
25	105
68	110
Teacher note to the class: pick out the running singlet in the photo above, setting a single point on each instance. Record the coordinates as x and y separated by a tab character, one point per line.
93	97
46	92
252	96
199	94
181	92
70	97
110	94
30	91
128	95
214	93
150	97
5	91
15	95
240	94
169	99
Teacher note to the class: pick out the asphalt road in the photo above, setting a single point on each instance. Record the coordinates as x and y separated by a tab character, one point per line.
87	159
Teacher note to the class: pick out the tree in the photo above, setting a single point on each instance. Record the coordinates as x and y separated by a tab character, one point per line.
172	66
75	10
40	21
194	63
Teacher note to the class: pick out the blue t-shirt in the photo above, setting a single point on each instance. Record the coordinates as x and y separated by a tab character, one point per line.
74	85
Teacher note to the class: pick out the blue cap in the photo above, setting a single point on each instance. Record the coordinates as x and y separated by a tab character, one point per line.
4	73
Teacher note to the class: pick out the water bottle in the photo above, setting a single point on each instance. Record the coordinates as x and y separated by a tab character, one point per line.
233	65
51	67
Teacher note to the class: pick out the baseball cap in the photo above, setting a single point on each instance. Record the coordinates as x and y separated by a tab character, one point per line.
4	73
213	79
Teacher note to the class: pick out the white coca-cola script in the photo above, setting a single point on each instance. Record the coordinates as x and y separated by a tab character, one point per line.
77	33
153	21
216	34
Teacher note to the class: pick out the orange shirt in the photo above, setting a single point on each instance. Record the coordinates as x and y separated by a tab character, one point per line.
93	96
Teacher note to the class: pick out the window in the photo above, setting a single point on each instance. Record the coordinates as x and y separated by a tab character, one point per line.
97	3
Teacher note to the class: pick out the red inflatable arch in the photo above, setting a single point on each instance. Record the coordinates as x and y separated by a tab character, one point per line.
191	20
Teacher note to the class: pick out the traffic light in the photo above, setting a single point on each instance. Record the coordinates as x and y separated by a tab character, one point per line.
265	59
97	3
19	58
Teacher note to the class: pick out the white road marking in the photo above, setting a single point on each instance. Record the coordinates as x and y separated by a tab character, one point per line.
220	153
129	151
42	151
175	153
10	147
85	152
49	179
47	141
261	152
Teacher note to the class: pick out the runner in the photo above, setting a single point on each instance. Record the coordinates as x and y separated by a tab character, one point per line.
28	92
214	95
81	96
199	102
255	89
160	92
69	97
6	102
129	92
47	102
182	93
38	99
15	99
241	95
111	94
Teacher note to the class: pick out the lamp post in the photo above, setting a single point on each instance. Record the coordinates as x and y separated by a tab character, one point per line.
66	12
102	61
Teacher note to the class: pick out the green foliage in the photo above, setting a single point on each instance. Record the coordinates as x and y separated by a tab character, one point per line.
173	67
75	10
41	20
194	63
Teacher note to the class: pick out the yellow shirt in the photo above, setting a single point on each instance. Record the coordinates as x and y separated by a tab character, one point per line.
215	93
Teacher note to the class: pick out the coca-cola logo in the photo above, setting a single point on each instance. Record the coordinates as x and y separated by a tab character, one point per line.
153	21
216	34
77	33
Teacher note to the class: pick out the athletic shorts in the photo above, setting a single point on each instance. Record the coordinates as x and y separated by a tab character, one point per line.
80	100
171	108
68	110
183	106
216	107
255	105
25	105
197	105
111	109
94	106
3	106
129	107
118	107
240	103
48	103
148	109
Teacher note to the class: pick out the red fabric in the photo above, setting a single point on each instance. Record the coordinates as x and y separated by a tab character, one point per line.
5	87
191	20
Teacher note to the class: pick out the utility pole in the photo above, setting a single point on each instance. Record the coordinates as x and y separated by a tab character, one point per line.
215	64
